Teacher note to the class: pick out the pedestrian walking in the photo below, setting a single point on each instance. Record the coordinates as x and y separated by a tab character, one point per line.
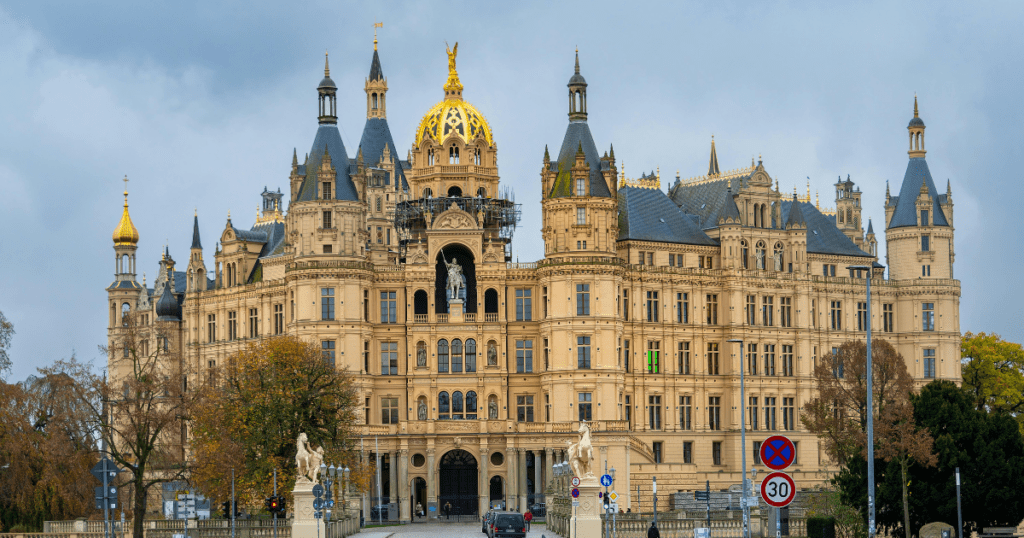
528	516
447	510
653	531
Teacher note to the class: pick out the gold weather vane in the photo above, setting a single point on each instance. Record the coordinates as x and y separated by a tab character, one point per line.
375	26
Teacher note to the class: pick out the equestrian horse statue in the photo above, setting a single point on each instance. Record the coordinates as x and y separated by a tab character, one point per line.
307	461
581	454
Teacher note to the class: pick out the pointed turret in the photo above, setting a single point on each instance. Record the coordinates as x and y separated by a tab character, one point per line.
713	161
796	215
327	91
195	233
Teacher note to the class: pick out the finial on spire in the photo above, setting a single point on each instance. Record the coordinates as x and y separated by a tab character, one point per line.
915	104
327	65
125	190
375	26
577	60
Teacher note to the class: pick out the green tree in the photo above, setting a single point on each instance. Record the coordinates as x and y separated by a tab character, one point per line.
252	410
993	372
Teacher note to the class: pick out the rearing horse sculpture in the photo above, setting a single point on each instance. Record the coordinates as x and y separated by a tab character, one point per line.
581	454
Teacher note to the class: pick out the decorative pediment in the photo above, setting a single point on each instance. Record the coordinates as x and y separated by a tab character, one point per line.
454	219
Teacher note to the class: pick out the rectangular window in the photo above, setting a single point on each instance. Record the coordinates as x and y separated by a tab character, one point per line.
654	412
327	351
715	413
751	310
327	220
389	410
232	325
785	311
788	414
656	448
769	413
629	414
524	357
653	357
389	358
837	366
716	452
366	410
712	358
254	323
887	311
832	270
862	316
686	412
583	352
671	260
684	358
757	452
582	299
625	305
581	187
769	359
687	451
642	257
929	363
650	258
366	305
380	234
787	361
767	311
927	316
524	304
712	309
652	306
327	304
924	217
327	190
585	403
544	301
388	307
682	307
752	412
625	354
752	360
211	328
924	243
581	216
926	270
278	319
524	408
837	315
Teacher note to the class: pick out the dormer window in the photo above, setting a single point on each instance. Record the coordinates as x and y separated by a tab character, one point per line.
326	190
581	187
924	218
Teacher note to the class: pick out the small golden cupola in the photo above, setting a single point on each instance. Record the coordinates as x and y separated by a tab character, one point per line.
453	115
126	233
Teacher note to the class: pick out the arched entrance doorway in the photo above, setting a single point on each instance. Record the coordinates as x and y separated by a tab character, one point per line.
419	499
458	481
497	492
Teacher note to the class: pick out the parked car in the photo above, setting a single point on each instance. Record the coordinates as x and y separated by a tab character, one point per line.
509	525
539	509
486	520
379	512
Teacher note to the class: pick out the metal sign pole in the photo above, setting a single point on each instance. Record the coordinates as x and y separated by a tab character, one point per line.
232	502
707	489
106	506
959	513
274	515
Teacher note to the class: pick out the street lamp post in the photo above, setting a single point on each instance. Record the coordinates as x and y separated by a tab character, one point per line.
871	408
743	442
328	474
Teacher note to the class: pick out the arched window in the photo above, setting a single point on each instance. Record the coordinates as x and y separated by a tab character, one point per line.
756	213
443	406
453	155
476	157
764	222
849	216
745	254
454	191
470	355
420	302
471	406
430	157
840	215
490	301
456	356
760	254
457	409
442	356
428	192
481	192
777	255
375	101
125	311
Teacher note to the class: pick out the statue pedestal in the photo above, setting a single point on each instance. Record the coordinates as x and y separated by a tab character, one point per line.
586	519
455	311
304	525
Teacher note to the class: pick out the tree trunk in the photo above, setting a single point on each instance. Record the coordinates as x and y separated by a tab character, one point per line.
906	503
139	509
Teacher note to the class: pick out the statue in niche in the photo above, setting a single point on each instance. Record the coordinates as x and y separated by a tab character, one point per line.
421	411
760	259
421	355
455	281
492	354
778	260
492	409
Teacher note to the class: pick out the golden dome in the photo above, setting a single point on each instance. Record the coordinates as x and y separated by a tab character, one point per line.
126	233
453	115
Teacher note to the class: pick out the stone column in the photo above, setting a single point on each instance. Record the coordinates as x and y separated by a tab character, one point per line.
431	485
404	508
485	483
392	480
522	480
510	478
538	484
549	471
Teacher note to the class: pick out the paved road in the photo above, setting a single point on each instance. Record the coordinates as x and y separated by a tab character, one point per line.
447	530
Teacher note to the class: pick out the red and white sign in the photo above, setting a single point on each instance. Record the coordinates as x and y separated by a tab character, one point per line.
778	489
575	481
777	452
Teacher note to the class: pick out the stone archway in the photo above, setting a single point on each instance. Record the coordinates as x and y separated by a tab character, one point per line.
466	259
457	476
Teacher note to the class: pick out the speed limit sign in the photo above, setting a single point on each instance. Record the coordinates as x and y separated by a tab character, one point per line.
778	489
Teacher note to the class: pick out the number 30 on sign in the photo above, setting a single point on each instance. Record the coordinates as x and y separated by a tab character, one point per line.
778	489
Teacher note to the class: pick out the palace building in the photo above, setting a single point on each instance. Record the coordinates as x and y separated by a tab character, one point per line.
471	398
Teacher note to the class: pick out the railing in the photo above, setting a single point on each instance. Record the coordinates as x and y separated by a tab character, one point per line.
520	265
442	318
677	524
421	318
641	447
470	317
493	317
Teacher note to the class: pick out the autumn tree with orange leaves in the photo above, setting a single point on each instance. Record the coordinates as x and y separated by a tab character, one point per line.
252	410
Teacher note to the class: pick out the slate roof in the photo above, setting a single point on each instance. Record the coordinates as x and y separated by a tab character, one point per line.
124	285
327	136
577	134
375	71
274	232
708	200
377	135
254	235
796	216
822	235
905	213
195	233
650	215
167	307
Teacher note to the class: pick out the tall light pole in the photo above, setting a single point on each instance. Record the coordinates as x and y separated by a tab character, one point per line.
743	442
871	410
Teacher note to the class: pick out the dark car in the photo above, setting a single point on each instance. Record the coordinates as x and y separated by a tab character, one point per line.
539	509
509	525
486	520
379	512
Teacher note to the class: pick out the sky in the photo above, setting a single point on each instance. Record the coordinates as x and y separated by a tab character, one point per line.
200	104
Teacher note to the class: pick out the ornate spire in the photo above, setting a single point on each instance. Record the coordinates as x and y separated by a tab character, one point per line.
713	161
915	106
453	86
126	233
327	65
578	61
